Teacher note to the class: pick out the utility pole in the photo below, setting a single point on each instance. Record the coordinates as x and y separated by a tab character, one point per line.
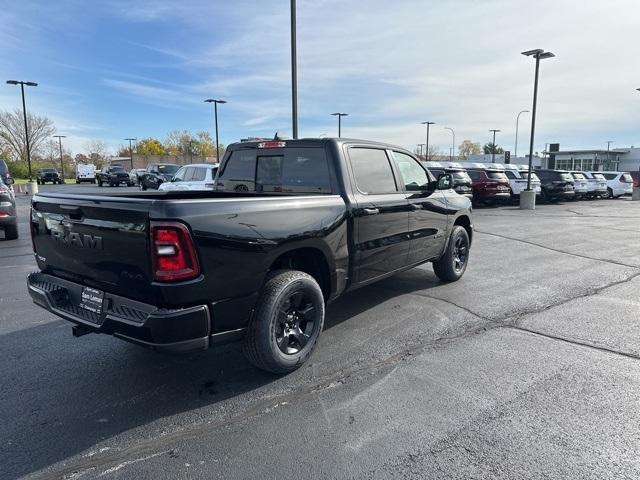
294	73
60	137
131	150
428	124
24	114
493	148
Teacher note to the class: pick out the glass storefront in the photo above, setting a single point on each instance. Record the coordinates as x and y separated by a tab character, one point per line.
579	164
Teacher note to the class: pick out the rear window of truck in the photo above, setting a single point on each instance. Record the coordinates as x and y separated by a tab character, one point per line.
286	170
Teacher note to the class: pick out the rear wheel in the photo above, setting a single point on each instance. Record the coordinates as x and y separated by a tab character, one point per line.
286	325
11	231
609	193
452	265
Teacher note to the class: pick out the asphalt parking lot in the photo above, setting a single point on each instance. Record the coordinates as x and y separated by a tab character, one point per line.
528	367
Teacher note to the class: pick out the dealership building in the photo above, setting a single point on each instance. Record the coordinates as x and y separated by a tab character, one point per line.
616	159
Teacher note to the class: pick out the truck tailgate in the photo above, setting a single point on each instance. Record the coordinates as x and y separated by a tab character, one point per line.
102	243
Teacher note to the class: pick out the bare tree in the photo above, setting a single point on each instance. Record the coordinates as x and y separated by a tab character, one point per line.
97	149
12	132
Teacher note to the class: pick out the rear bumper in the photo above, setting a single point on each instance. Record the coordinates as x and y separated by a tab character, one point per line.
175	330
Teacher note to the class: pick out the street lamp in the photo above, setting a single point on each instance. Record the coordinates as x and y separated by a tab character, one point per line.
60	137
24	113
517	121
215	109
528	201
453	144
427	144
340	115
420	149
493	148
294	73
131	150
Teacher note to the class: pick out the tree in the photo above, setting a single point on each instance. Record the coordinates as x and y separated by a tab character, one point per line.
97	149
206	146
12	132
149	146
491	148
467	147
177	142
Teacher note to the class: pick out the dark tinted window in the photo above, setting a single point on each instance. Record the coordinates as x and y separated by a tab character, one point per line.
627	178
116	168
239	171
510	174
496	175
301	170
610	176
436	172
168	168
372	170
475	174
3	167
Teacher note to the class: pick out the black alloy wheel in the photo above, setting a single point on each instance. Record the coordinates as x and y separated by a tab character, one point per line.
296	320
285	327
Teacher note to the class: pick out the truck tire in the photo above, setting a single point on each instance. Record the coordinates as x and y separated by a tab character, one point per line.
11	231
452	265
286	325
99	183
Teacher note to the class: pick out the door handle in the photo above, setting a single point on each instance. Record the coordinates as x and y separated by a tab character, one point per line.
371	211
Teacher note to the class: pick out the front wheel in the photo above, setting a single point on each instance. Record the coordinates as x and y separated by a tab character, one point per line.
286	325
452	265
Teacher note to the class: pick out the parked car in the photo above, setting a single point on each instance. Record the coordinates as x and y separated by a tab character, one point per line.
580	185
48	175
8	215
113	175
5	175
85	172
490	185
597	184
156	174
556	185
518	181
198	176
462	184
135	174
618	184
191	271
635	175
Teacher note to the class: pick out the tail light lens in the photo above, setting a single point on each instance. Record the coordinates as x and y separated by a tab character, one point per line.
173	254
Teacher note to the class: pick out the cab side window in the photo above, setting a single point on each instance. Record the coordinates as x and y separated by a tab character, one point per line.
415	178
372	171
179	176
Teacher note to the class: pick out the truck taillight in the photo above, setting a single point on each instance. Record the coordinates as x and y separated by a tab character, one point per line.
272	144
173	254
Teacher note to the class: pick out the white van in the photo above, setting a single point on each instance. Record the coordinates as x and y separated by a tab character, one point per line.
85	172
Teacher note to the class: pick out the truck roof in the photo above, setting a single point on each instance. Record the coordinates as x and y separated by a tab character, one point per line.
314	142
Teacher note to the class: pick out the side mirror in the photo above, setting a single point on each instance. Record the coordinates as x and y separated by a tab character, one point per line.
445	182
10	181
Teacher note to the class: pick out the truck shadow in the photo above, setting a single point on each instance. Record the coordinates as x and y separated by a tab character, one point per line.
63	396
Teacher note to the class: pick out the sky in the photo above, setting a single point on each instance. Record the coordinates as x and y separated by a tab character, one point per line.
113	69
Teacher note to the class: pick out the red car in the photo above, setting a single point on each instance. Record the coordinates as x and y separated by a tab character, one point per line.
636	178
489	186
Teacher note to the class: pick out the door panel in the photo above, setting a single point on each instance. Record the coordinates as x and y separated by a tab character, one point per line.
381	218
428	212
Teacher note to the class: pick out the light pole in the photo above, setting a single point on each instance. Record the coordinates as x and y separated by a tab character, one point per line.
420	151
131	150
517	121
60	137
294	73
529	200
215	110
24	113
340	115
493	148
608	148
427	144
453	144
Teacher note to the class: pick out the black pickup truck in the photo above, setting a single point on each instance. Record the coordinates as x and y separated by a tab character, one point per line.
113	175
190	270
